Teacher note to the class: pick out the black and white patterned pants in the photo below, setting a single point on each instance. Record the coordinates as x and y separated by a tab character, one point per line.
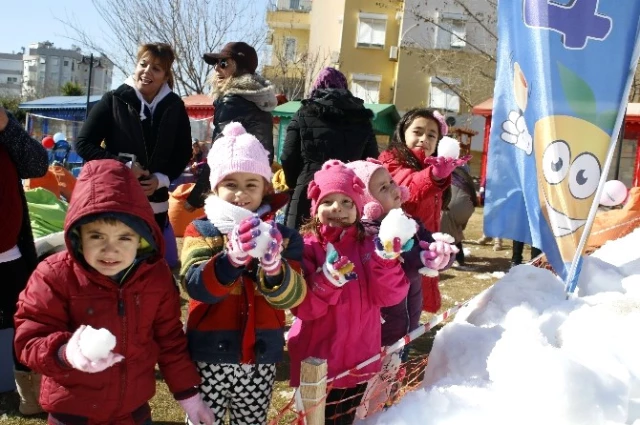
242	390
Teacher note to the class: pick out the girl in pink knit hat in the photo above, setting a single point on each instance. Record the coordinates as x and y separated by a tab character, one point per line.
350	276
241	272
381	195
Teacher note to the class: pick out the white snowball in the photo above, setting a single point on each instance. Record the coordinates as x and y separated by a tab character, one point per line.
95	344
449	147
397	225
262	241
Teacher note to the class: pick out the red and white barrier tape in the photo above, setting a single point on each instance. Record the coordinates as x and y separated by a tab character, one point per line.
398	345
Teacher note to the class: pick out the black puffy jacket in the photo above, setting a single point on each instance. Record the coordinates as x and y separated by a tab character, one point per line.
332	125
249	100
162	144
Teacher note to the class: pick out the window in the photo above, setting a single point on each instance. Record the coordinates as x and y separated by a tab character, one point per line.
54	60
442	97
65	63
294	4
12	80
458	34
290	49
452	32
43	60
372	30
366	87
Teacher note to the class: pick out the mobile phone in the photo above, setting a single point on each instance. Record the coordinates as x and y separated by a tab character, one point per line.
128	157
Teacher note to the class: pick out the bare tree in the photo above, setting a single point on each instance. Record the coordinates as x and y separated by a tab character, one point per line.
292	72
470	70
191	27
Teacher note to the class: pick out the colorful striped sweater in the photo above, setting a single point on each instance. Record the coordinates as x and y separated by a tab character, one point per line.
237	315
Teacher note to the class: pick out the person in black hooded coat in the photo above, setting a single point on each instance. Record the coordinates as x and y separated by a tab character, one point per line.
331	124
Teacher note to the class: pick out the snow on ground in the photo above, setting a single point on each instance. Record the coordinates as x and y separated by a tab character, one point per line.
522	353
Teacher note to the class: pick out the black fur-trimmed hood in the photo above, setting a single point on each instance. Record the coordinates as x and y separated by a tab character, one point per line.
252	87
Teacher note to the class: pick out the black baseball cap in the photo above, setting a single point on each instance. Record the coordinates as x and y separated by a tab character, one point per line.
243	54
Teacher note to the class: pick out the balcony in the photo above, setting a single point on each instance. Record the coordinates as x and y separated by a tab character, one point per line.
303	6
289	14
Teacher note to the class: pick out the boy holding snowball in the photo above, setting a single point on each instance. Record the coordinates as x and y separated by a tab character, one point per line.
112	278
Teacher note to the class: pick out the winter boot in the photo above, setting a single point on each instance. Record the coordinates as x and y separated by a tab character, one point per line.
28	384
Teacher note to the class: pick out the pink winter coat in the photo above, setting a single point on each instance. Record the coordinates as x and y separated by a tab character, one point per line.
342	324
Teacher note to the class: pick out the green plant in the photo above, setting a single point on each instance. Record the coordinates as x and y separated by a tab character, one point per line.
11	104
71	89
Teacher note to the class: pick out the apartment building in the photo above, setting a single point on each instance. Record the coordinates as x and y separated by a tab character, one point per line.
10	74
287	61
46	68
410	53
444	55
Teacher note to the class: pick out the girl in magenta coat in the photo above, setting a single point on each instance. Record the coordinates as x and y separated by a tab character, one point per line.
349	278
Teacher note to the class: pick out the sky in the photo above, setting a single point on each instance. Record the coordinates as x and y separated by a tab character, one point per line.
29	21
521	353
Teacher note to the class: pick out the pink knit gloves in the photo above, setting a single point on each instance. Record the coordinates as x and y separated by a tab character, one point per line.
74	357
442	167
241	240
338	269
272	259
437	254
197	410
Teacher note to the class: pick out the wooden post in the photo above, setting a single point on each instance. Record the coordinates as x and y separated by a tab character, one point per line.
313	389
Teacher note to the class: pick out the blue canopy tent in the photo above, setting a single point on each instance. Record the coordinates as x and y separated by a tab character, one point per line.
54	114
57	108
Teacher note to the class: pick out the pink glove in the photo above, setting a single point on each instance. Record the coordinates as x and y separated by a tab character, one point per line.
242	239
437	254
74	357
442	167
271	261
197	410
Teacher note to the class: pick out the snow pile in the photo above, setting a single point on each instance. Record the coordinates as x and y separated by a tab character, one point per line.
96	344
521	353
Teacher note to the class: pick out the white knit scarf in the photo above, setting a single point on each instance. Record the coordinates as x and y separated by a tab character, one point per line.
225	215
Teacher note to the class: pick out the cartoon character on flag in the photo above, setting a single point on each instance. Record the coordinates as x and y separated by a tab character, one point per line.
568	148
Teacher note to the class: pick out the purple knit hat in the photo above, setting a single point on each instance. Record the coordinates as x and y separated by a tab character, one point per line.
329	78
335	177
237	151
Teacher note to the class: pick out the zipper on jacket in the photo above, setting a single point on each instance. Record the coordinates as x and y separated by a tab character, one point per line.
123	365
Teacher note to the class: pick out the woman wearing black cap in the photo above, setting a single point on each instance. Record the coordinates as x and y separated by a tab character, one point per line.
240	95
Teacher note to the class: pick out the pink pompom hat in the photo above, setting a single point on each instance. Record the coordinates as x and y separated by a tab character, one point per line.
237	152
372	209
335	177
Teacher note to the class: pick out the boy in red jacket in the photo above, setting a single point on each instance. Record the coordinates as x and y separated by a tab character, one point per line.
112	276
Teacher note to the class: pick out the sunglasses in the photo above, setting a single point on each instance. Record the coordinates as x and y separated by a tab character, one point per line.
222	64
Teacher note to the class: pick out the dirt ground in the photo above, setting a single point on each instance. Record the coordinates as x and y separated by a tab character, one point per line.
456	286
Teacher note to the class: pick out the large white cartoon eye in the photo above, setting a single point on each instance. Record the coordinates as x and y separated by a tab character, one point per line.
556	161
584	176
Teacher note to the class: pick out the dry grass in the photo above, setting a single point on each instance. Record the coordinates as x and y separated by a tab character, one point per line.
456	286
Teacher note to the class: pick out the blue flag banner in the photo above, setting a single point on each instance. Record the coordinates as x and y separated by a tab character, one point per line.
563	77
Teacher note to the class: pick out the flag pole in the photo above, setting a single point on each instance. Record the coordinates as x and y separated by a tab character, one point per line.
572	277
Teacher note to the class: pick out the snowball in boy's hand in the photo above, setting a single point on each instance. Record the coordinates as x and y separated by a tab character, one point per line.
262	241
397	225
448	147
95	344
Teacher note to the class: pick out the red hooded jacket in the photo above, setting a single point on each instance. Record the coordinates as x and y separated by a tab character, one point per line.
143	312
425	193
